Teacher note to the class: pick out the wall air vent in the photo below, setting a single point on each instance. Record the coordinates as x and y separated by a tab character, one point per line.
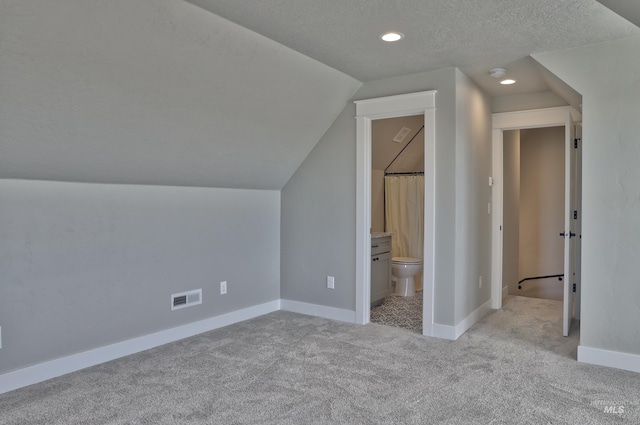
186	299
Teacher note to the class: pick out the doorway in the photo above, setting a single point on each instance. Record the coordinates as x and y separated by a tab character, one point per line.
552	117
397	203
421	103
533	212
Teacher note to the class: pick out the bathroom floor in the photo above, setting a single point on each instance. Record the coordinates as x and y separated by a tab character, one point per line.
401	312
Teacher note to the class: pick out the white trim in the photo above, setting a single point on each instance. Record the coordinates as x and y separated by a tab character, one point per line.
421	103
444	331
58	367
505	292
497	193
319	310
608	358
454	332
401	105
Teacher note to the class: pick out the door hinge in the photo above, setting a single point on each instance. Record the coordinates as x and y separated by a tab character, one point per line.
575	214
574	287
575	143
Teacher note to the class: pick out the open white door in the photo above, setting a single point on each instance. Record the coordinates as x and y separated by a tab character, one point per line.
569	232
578	223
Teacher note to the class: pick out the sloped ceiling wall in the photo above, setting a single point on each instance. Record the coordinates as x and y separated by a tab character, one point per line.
155	92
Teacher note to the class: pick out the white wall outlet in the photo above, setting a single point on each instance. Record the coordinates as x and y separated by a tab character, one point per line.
331	282
223	287
480	282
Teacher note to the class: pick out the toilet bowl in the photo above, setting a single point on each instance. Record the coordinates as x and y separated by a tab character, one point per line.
403	270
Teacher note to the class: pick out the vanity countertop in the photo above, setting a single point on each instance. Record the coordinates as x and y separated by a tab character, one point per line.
376	235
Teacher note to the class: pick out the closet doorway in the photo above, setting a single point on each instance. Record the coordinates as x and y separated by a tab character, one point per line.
567	118
533	212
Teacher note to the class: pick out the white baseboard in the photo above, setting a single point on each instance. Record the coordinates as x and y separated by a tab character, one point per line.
319	310
454	332
505	292
444	331
608	358
58	367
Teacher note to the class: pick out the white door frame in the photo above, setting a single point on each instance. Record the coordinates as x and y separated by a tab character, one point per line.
421	103
537	118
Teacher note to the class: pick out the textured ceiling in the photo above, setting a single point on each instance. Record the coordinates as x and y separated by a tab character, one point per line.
473	35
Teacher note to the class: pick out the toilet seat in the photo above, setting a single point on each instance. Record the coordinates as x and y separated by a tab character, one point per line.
406	260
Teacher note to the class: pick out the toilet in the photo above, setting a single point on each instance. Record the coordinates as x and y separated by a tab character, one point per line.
403	270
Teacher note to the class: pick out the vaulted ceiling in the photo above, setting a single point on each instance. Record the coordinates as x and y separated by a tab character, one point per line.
235	94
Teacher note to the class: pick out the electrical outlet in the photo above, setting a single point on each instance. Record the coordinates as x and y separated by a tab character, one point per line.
223	287
480	282
330	282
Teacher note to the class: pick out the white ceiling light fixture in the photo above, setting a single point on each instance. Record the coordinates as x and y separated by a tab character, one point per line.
508	81
392	36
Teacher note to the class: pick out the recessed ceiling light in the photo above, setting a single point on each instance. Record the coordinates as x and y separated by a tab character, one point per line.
392	36
508	81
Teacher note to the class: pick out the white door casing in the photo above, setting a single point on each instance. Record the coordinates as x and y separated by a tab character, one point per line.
551	117
420	103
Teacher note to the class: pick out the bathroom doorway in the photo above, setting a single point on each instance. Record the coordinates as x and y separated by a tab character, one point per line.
367	111
397	204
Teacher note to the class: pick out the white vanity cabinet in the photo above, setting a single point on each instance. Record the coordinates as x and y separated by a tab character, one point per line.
380	268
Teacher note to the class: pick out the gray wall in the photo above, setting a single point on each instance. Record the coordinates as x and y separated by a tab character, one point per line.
541	250
87	265
511	210
318	203
472	196
526	101
611	183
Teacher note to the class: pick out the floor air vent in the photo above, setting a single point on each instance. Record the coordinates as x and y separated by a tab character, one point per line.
186	299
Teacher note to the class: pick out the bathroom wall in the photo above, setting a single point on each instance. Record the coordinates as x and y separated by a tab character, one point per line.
377	200
511	211
541	249
87	265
